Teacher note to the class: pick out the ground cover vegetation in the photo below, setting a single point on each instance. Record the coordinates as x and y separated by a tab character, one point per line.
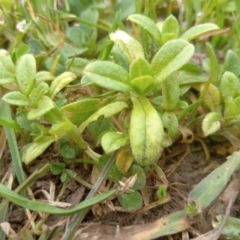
112	111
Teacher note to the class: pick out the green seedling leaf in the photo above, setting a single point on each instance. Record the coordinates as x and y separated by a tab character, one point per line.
17	98
232	227
141	177
61	82
112	141
44	76
57	168
215	68
212	185
44	105
36	148
232	63
199	30
44	207
124	160
211	123
170	123
147	24
162	192
77	112
171	57
108	75
26	72
113	173
229	85
145	131
170	29
170	92
130	46
76	65
130	201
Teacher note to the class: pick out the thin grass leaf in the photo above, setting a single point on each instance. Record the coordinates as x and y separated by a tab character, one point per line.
211	186
44	207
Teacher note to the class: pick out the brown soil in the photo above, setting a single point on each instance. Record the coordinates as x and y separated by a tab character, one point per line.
182	179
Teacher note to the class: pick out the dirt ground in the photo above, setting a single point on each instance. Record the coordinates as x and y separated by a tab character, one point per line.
183	173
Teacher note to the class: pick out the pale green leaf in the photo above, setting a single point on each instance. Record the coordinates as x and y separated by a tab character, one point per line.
112	141
26	72
61	82
108	75
16	98
44	106
171	57
36	148
147	24
199	30
77	112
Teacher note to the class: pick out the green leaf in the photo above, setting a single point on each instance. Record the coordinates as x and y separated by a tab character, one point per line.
36	148
170	123
44	105
229	85
130	46
108	75
43	76
215	68
147	24
162	192
145	131
6	62
140	75
66	151
232	63
130	201
112	141
141	177
61	82
107	111
170	93
6	122
44	207
232	228
78	112
16	98
170	29
99	127
171	56
142	84
211	123
212	185
7	68
138	68
199	30
57	168
26	72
